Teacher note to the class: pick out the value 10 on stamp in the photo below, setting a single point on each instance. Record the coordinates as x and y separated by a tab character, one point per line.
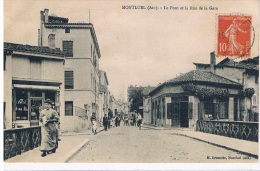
234	35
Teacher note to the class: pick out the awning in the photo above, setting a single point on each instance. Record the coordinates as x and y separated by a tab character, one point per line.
36	87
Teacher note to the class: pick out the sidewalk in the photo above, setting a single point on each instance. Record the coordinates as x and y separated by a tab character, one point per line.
69	145
246	147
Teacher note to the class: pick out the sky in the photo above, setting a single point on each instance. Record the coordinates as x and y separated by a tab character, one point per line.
138	46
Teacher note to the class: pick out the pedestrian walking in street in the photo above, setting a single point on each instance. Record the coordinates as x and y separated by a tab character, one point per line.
94	123
105	122
116	121
126	121
134	121
139	121
109	122
48	117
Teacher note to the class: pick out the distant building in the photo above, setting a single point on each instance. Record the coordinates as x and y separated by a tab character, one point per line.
147	118
112	104
103	94
30	79
227	91
245	72
79	43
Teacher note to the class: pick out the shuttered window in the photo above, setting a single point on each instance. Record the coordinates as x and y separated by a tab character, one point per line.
35	65
69	83
68	108
68	48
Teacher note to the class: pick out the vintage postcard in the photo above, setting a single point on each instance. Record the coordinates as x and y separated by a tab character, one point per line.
130	85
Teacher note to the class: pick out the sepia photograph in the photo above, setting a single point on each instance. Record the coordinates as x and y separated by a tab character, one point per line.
130	85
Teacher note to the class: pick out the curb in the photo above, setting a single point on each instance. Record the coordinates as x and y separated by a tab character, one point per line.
78	148
222	146
75	151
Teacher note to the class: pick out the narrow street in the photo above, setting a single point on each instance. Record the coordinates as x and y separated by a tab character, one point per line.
130	145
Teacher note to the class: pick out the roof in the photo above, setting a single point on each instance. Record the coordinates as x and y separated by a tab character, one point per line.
250	63
33	49
198	76
147	90
77	25
201	64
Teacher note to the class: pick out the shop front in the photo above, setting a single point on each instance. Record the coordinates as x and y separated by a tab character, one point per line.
28	102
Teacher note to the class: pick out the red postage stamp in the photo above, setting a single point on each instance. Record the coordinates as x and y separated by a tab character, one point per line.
234	35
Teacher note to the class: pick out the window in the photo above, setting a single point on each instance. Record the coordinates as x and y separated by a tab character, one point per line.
4	61
4	114
67	30
21	99
35	65
51	40
69	83
208	107
68	48
68	108
223	110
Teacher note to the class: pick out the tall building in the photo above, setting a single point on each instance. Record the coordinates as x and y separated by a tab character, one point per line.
79	43
103	94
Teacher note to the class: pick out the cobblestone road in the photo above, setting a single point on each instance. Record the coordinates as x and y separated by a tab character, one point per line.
130	145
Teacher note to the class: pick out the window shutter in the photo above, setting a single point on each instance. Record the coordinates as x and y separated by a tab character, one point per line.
69	83
68	48
68	108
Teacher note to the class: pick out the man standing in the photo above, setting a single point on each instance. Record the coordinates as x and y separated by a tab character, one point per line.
105	122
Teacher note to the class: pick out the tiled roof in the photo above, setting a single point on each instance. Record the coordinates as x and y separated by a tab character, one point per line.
202	76
147	90
33	49
250	63
198	76
68	25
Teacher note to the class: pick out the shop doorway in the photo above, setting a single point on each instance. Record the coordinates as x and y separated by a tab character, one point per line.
184	114
36	107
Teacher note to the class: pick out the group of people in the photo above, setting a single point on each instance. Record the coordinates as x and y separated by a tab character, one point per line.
137	121
109	122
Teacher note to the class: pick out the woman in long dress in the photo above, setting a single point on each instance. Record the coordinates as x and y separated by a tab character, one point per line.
48	117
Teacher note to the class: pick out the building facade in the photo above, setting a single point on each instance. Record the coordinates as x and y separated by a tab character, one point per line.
226	91
103	94
79	43
29	79
245	72
147	118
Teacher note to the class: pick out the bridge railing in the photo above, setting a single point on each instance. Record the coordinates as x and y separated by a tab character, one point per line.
234	129
19	140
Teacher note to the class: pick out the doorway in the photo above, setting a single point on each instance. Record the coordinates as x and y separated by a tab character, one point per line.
184	114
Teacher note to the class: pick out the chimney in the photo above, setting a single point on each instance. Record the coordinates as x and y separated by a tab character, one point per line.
46	19
212	62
